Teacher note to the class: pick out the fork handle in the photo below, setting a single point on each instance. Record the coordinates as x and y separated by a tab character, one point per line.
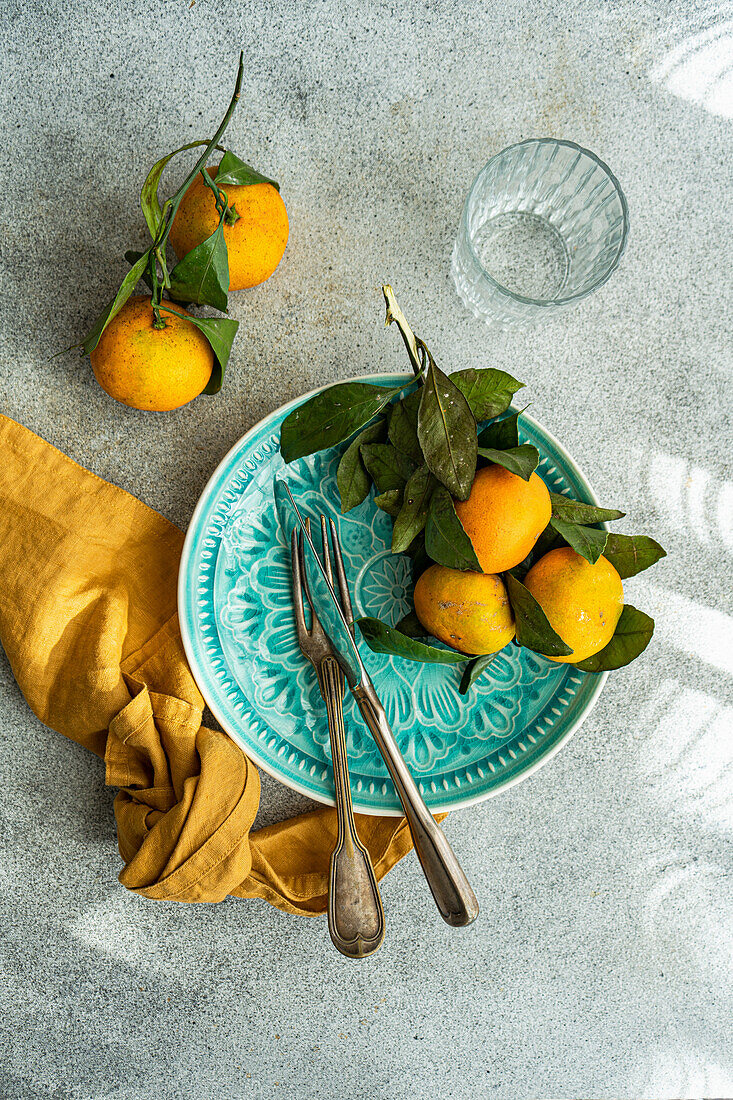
450	887
355	913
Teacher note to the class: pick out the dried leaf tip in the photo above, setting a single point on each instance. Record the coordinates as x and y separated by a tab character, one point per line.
394	313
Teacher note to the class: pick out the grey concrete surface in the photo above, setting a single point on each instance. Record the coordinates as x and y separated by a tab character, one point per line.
600	966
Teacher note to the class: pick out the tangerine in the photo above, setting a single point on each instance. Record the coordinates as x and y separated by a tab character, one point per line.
468	611
255	243
152	368
504	516
583	602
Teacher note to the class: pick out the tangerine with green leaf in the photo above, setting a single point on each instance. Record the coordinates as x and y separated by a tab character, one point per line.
152	368
583	602
255	241
468	611
504	516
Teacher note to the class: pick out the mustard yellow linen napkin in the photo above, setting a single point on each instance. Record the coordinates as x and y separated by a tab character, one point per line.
88	621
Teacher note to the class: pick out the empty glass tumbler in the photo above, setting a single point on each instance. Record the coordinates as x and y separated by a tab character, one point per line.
544	224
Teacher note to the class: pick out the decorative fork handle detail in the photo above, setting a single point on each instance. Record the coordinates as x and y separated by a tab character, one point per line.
450	887
355	913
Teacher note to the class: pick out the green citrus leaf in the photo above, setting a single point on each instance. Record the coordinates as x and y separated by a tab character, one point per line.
331	416
220	332
130	281
629	554
589	542
533	628
389	502
488	391
631	637
577	511
473	670
132	257
403	426
351	477
522	460
446	429
387	467
520	571
386	639
234	171
548	540
446	542
149	195
411	626
202	276
502	434
414	512
419	556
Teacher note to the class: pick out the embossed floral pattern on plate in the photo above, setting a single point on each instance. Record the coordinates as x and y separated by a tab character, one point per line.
236	614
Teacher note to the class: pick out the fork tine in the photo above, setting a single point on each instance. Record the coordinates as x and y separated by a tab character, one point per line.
304	572
295	561
341	576
326	550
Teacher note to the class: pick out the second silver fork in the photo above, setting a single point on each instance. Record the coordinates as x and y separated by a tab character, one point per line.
355	913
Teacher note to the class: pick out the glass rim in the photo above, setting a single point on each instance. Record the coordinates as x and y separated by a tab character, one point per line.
546	303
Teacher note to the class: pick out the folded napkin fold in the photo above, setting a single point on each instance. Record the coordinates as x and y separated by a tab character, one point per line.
88	620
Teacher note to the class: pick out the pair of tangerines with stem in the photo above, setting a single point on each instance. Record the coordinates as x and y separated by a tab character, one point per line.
228	227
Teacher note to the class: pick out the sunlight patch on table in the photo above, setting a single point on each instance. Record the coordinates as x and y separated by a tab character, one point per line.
687	762
680	1072
687	625
110	928
691	499
700	68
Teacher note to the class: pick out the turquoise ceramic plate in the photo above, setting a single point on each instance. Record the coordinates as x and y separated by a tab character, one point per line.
236	617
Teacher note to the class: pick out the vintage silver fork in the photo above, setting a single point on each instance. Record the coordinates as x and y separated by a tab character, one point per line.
355	913
445	876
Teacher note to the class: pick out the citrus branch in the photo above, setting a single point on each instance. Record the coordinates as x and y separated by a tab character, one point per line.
229	213
416	350
175	201
170	207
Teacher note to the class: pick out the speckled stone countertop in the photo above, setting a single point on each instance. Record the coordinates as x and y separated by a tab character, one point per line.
600	964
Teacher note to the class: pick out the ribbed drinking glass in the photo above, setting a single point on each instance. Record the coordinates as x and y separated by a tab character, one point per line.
545	223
